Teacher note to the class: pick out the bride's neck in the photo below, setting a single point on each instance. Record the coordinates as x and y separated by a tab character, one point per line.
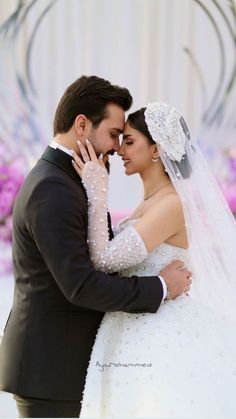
153	178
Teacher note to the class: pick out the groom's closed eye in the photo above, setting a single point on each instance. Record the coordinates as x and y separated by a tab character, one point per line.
116	132
114	135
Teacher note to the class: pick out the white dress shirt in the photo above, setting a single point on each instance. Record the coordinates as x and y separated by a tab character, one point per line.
56	145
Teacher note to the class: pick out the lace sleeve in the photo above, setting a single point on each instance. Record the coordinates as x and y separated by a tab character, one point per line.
127	248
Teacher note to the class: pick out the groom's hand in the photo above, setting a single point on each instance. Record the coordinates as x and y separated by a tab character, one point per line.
177	278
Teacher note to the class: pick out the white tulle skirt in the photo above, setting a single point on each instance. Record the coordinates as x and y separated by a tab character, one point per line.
177	363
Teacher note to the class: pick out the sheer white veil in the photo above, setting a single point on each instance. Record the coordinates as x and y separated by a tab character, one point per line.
211	227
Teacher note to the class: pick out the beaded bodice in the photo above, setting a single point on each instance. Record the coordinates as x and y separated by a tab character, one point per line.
157	259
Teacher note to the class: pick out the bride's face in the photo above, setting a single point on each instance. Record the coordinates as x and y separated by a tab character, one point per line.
135	151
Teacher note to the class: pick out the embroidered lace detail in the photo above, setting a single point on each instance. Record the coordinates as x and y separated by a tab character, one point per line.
127	248
165	128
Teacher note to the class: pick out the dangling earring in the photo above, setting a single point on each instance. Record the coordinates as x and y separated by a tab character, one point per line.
155	159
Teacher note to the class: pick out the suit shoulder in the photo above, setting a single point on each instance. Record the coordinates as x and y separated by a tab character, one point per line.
48	182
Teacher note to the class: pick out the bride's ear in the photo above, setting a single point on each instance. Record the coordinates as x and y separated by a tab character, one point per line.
155	151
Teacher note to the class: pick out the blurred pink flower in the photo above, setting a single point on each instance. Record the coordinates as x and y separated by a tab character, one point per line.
232	165
5	233
230	194
228	185
11	179
6	202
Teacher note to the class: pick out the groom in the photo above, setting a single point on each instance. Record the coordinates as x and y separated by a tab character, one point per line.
59	299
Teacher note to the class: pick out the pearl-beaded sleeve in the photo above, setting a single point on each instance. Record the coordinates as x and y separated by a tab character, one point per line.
127	248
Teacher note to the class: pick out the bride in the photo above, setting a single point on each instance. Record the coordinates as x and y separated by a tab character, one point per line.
179	362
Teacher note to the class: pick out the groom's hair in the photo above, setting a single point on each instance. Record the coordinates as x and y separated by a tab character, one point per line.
89	95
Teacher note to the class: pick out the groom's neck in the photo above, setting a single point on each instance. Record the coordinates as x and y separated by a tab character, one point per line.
68	140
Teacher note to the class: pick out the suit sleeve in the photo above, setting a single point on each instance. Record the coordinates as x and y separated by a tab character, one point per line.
57	220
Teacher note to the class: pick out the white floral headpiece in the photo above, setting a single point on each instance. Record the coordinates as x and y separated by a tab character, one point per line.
164	125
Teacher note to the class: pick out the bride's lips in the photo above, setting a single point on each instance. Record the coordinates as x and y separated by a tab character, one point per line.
126	162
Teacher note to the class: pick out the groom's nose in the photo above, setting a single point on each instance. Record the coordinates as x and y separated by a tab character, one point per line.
116	147
120	152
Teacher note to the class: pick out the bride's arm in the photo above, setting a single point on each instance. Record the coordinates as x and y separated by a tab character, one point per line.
127	248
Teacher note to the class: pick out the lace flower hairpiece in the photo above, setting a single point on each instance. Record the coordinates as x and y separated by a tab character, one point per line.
163	122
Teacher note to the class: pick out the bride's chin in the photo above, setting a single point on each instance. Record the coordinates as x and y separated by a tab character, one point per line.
128	171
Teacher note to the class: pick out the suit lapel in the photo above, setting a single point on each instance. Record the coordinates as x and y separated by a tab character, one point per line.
62	160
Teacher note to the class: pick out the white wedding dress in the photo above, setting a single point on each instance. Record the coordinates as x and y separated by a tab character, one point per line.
179	362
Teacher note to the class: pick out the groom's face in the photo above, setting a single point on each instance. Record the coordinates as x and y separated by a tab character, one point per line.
105	137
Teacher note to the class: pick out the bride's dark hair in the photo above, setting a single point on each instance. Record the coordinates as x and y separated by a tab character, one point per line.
137	121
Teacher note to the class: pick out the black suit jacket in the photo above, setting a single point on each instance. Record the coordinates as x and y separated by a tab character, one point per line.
59	298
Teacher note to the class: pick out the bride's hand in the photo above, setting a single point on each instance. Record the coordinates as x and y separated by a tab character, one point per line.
88	154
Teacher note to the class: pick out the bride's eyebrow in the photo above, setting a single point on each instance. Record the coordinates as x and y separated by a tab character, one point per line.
126	136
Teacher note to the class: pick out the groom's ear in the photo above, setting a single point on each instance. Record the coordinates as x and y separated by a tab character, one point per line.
81	121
